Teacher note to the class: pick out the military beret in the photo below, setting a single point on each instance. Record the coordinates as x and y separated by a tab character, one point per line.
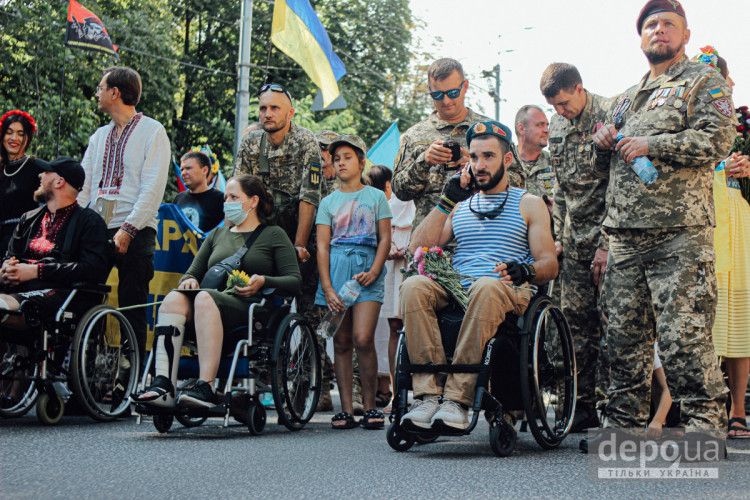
350	139
326	137
489	127
67	168
656	6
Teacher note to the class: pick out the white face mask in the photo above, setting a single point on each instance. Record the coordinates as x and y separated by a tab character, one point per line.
234	213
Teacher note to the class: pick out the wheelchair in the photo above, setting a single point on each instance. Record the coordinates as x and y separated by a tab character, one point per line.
87	351
277	353
528	366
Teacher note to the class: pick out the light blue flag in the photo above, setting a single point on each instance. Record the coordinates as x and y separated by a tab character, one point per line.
384	151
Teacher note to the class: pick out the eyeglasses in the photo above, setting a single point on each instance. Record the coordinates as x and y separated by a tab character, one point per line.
452	93
275	87
491	214
99	88
323	147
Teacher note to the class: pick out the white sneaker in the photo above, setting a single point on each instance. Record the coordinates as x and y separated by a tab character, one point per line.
422	411
451	414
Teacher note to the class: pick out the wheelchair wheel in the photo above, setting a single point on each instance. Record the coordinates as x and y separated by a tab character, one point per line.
295	379
401	380
502	438
548	373
163	423
18	387
397	439
49	410
256	418
187	421
104	362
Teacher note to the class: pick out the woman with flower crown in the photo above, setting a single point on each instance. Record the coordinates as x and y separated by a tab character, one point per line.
731	331
19	173
215	314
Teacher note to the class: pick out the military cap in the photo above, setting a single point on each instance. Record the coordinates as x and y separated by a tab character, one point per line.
656	6
326	137
67	168
350	139
489	127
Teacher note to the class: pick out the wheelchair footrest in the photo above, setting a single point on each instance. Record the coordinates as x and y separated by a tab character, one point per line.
433	368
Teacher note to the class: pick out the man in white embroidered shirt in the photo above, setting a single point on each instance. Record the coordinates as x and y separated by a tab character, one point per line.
126	165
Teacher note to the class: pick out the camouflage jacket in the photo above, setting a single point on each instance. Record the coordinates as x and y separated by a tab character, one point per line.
294	166
413	178
688	116
539	178
580	197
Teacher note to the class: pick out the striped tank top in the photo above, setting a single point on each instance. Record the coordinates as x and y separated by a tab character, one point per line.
483	243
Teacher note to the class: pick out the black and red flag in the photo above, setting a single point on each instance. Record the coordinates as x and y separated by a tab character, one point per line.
86	31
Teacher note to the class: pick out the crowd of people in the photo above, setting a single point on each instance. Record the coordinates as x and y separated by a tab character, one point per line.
634	259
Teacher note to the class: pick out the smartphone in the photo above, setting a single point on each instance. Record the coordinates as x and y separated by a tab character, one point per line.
455	148
473	182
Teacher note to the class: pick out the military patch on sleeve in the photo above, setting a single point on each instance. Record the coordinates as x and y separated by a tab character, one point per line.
314	174
723	106
716	93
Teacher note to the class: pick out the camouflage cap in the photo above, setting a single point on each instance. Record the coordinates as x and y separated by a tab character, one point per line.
326	137
352	140
489	127
656	6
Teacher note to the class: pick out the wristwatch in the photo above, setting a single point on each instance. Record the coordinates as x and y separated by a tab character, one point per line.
532	272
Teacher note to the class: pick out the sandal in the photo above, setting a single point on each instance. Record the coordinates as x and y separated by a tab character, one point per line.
163	391
370	415
383	398
740	425
346	417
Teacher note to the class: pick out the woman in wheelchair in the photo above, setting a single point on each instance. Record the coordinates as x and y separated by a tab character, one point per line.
271	262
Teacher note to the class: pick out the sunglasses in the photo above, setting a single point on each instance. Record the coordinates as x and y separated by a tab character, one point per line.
452	93
490	214
275	87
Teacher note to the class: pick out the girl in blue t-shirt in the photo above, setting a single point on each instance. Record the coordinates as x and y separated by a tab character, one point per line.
354	238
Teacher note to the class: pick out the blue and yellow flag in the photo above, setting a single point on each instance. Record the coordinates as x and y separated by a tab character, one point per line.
298	33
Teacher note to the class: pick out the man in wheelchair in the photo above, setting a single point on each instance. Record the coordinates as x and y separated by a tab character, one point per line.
53	246
505	246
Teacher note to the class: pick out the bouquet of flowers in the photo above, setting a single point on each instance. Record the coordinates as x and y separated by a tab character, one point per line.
237	278
435	264
742	144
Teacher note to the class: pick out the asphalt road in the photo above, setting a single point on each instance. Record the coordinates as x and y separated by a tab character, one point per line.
83	459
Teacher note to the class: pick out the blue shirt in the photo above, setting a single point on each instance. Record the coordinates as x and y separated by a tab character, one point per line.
354	217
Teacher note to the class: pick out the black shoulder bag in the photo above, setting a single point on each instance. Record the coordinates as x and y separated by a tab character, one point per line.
216	277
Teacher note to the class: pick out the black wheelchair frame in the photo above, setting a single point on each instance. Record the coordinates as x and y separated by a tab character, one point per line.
280	346
529	366
93	350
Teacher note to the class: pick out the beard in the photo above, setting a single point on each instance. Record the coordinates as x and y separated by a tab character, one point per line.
271	128
41	195
656	56
492	181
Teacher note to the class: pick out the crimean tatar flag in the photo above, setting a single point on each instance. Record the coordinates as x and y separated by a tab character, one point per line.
86	31
297	32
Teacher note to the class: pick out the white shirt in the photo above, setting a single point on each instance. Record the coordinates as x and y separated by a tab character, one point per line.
132	170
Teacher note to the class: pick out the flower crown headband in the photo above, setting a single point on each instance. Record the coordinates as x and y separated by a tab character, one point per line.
710	57
211	156
24	114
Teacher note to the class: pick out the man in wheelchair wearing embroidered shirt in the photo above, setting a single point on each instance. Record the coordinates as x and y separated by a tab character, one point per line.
504	241
53	246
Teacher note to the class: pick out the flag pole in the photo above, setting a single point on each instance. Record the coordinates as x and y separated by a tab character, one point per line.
59	109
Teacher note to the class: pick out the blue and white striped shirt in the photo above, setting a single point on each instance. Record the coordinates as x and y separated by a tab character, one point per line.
484	243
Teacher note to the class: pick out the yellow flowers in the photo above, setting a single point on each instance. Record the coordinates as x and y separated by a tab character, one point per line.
237	278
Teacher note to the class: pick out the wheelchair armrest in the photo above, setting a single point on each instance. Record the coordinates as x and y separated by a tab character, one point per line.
91	287
273	292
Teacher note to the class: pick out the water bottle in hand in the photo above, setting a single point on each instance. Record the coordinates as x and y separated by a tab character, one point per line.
332	320
643	167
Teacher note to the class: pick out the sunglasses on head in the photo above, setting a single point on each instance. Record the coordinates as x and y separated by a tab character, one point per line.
275	87
438	95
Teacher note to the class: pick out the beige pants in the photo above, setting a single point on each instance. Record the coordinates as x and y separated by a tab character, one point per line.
489	301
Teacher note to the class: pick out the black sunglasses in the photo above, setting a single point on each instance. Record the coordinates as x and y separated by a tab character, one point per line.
491	214
275	87
452	93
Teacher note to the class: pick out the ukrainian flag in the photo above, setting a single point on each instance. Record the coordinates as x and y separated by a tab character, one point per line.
298	33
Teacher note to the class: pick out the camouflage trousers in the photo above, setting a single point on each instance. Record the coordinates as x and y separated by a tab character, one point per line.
660	285
579	303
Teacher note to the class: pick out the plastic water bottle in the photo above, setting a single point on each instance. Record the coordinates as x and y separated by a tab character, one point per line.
332	320
643	167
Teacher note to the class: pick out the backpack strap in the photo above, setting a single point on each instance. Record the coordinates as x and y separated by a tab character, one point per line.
263	168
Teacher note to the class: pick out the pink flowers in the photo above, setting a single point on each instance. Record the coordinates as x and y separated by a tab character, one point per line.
435	264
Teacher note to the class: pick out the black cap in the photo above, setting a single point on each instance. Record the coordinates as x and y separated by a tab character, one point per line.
67	168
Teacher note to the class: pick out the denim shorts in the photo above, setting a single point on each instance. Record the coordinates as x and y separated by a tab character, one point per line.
345	262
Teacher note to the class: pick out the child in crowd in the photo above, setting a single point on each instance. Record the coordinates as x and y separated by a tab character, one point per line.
354	239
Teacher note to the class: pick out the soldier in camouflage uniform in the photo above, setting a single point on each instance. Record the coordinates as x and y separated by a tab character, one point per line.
579	209
660	282
423	164
292	172
532	130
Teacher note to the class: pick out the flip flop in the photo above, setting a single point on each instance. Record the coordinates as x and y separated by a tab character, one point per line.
344	417
370	415
740	426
